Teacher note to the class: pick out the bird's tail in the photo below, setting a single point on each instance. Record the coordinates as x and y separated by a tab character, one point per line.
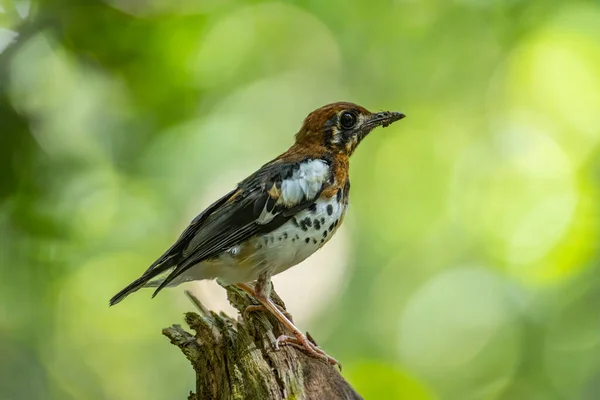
148	280
153	277
131	288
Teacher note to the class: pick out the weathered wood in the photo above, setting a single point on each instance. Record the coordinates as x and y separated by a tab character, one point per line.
236	359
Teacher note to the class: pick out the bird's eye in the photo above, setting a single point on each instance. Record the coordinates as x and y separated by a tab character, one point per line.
347	120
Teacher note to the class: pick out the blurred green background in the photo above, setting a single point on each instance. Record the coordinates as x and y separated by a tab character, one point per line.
468	266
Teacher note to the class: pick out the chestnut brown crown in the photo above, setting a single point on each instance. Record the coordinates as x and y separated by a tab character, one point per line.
341	126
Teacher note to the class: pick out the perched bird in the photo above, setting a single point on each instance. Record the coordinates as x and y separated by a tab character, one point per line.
275	218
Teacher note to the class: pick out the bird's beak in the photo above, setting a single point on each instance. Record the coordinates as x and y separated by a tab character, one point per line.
384	118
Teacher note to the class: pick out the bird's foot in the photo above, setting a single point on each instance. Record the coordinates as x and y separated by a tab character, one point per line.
298	340
308	346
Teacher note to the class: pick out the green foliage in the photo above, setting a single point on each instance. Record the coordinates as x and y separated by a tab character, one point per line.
467	267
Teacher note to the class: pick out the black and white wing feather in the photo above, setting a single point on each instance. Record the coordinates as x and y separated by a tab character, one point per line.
261	203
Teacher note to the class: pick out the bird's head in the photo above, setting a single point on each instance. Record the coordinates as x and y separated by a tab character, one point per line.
341	126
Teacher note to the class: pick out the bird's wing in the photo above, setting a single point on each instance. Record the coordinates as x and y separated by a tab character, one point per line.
161	264
261	203
170	258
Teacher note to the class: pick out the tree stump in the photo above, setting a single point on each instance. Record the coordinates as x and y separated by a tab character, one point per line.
236	359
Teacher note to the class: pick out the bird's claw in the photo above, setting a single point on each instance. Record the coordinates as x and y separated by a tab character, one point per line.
309	347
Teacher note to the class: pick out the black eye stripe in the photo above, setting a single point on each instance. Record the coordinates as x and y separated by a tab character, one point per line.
328	134
331	122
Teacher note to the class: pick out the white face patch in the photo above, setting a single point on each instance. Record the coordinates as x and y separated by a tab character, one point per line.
349	143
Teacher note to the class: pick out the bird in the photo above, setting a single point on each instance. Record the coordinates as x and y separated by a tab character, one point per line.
275	218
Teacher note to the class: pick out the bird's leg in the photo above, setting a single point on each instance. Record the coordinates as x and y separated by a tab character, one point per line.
261	294
299	339
259	307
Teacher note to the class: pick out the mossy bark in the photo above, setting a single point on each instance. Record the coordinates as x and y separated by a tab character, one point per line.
236	359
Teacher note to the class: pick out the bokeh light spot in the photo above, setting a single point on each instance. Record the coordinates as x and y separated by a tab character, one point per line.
457	330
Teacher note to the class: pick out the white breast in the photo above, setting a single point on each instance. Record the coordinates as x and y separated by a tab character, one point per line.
302	235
